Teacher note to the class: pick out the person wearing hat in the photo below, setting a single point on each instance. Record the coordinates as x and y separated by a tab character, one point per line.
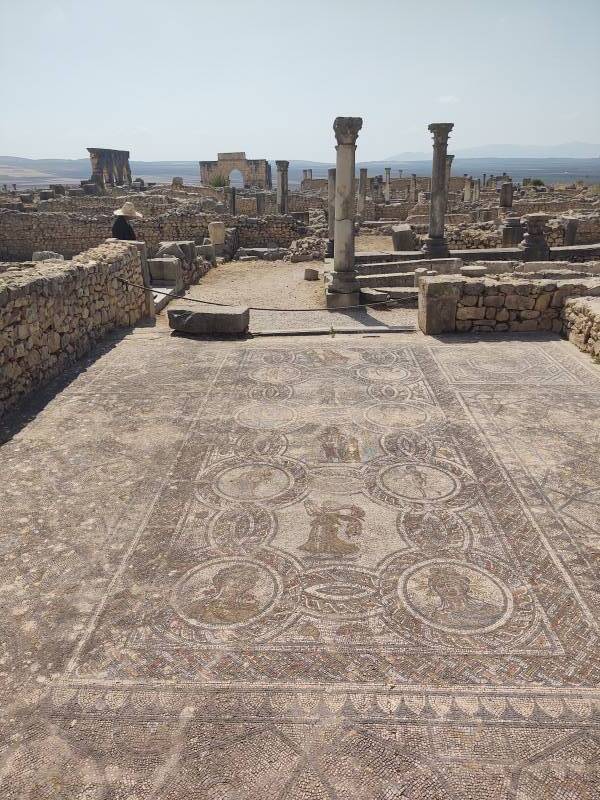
121	228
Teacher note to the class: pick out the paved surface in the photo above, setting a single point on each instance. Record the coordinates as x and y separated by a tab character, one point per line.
280	284
312	569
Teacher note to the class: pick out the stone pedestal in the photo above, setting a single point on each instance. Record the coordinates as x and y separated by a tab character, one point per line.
534	245
512	232
344	280
282	186
435	245
330	211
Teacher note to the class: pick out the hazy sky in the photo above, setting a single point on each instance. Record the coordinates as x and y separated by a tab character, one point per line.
183	79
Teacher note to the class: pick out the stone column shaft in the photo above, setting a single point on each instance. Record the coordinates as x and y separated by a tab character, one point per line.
435	244
344	276
331	203
449	160
282	186
387	188
362	192
412	192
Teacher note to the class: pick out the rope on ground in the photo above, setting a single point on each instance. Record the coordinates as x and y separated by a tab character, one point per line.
260	308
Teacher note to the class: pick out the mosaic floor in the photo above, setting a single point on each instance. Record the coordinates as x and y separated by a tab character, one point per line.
319	569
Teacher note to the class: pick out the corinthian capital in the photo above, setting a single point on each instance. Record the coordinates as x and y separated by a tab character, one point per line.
441	131
346	129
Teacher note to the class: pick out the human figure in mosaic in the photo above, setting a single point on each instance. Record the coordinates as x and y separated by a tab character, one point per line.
338	446
231	597
332	526
458	600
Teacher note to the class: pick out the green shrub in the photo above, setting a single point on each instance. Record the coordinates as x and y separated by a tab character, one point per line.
218	181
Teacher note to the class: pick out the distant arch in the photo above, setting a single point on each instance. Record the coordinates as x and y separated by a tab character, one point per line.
236	178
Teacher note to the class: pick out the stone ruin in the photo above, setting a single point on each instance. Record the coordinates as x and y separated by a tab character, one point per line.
109	167
255	172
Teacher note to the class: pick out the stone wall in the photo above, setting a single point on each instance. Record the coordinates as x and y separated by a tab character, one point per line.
456	304
581	324
70	233
52	312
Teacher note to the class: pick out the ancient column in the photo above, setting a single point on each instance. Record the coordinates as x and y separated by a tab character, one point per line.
309	174
362	193
449	160
477	192
400	173
282	186
331	210
512	231
468	191
484	177
387	186
412	192
506	195
435	245
344	288
230	199
260	204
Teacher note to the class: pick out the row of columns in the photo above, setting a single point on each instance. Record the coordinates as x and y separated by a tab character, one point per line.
344	289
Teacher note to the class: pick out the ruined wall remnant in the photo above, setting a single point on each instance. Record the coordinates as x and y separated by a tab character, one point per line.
256	171
109	167
52	312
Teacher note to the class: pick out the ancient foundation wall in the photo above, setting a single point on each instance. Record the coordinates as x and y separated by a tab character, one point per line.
69	233
149	205
456	304
52	312
581	324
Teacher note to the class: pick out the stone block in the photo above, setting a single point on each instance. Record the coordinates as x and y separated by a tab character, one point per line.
311	274
519	302
207	320
465	312
47	255
403	238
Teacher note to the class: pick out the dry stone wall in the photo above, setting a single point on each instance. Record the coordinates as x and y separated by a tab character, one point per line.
21	234
581	324
456	304
52	312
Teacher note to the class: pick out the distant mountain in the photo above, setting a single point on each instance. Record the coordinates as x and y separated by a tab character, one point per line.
566	150
40	172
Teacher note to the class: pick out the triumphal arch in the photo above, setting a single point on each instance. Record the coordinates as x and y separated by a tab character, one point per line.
255	171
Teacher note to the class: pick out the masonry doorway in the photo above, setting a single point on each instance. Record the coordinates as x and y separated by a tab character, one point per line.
236	179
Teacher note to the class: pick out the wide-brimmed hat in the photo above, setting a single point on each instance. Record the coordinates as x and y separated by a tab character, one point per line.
127	210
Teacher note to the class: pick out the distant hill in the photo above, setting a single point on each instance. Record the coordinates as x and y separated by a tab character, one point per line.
566	150
39	172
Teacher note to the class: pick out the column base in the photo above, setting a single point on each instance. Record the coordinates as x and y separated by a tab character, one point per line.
435	247
341	299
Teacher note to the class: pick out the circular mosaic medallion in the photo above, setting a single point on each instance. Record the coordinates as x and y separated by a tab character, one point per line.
455	596
224	599
475	602
383	374
396	415
265	416
253	482
226	592
276	373
406	483
266	482
420	482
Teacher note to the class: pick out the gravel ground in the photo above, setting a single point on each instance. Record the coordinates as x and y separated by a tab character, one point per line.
280	284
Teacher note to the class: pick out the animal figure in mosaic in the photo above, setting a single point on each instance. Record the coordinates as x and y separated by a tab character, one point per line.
338	446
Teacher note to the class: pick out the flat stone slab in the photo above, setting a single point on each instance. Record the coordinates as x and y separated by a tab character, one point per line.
207	320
